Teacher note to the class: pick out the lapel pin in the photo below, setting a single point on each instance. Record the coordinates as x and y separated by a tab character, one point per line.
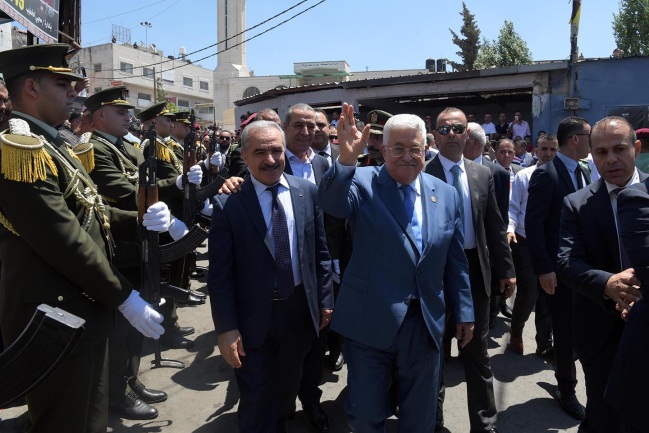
433	199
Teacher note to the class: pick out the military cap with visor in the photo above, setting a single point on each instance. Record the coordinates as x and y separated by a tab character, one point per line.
33	58
183	117
377	120
159	109
112	96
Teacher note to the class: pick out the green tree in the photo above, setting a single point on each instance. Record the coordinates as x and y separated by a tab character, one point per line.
631	27
469	44
160	94
508	50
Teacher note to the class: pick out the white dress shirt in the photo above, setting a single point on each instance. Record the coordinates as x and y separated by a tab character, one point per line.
469	231
266	202
518	200
300	168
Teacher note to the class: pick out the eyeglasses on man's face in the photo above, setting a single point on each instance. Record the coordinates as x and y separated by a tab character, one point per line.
399	151
222	137
458	128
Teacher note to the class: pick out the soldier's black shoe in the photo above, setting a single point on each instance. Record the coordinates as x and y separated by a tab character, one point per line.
193	300
183	330
174	340
148	396
318	417
133	408
571	405
197	294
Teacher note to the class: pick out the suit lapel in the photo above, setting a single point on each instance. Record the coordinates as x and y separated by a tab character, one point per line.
435	168
606	219
429	213
251	204
320	166
287	167
390	194
297	200
474	187
564	175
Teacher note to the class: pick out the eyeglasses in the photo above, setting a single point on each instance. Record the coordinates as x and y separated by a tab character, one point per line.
398	152
225	138
583	133
333	137
457	128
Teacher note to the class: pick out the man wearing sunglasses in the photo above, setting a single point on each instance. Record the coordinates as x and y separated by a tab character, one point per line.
485	237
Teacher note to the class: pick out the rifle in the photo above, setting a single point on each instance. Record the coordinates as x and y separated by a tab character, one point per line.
38	352
154	255
212	149
190	206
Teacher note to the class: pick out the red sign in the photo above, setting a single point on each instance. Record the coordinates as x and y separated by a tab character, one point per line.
115	83
172	99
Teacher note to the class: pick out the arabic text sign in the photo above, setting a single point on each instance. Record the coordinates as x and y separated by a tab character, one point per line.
40	17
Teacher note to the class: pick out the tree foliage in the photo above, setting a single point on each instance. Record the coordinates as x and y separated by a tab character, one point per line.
508	50
469	44
631	27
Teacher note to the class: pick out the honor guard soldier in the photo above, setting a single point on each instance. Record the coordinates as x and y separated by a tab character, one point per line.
56	243
169	171
374	156
112	163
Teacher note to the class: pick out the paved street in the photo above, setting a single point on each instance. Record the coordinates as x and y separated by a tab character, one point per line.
203	396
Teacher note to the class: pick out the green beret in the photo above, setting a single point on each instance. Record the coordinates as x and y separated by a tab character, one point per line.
111	96
159	109
41	57
377	120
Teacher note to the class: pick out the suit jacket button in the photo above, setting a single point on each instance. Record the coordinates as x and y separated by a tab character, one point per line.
60	298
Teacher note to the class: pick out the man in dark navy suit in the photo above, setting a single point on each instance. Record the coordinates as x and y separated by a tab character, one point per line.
629	381
549	185
590	263
269	280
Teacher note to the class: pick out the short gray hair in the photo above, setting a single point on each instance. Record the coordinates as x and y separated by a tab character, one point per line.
299	106
255	126
477	133
404	121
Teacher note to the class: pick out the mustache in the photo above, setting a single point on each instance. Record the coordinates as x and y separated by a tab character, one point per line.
270	167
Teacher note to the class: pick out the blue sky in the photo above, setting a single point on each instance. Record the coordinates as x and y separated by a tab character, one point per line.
378	35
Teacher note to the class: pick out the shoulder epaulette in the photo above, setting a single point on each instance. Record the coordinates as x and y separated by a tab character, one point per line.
24	158
163	153
85	152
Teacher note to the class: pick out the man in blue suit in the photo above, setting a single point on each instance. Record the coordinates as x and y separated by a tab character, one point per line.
269	280
391	307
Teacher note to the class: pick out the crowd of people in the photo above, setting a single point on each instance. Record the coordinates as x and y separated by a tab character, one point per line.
332	242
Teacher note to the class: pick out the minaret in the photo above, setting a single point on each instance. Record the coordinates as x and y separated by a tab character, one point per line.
231	20
231	60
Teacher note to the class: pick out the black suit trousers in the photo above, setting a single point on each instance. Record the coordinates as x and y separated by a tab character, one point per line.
560	306
477	370
528	296
270	375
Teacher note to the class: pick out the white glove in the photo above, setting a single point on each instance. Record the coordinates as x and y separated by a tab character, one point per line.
207	208
217	160
143	318
157	217
177	229
179	182
195	174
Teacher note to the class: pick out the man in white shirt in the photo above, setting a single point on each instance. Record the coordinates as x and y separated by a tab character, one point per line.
488	126
519	127
528	297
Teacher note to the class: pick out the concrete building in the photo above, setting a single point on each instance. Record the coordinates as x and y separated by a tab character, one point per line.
186	85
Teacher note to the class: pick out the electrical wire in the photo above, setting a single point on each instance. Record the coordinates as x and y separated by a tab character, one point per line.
220	42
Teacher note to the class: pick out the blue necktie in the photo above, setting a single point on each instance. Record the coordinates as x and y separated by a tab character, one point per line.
457	184
409	196
284	282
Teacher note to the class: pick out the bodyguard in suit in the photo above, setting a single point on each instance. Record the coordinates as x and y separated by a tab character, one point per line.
591	264
321	143
473	149
398	286
267	320
549	185
485	238
56	240
629	381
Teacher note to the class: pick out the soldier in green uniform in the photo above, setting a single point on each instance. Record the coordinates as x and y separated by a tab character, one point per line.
112	163
374	156
56	241
169	171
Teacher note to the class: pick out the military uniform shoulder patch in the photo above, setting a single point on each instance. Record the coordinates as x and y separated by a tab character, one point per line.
84	151
24	158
